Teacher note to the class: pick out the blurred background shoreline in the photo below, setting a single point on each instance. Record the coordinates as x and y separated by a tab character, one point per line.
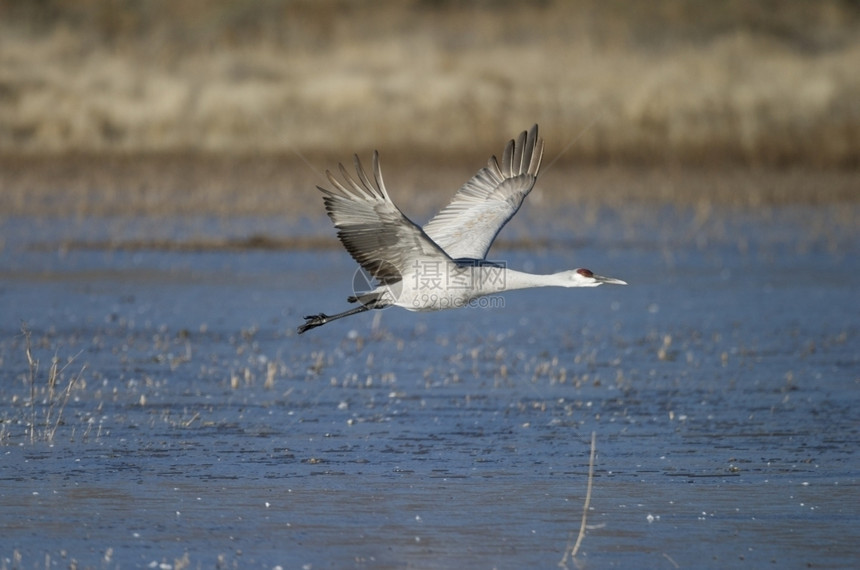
129	104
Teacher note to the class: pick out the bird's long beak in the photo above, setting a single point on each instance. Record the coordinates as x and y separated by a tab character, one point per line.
609	280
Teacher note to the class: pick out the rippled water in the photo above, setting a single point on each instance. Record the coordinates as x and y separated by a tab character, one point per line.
721	384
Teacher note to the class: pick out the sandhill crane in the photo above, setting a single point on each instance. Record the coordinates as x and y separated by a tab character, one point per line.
443	265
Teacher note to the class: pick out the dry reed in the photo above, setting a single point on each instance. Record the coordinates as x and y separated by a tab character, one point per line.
570	551
759	83
53	398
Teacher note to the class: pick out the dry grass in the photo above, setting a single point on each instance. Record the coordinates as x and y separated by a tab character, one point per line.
571	550
221	107
47	401
674	80
230	185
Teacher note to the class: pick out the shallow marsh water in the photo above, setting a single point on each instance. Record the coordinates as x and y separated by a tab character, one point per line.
722	385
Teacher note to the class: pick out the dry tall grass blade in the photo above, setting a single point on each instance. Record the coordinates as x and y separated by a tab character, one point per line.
53	400
570	551
50	431
33	368
573	141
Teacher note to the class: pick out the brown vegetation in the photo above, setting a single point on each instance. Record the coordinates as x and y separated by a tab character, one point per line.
222	107
229	185
673	80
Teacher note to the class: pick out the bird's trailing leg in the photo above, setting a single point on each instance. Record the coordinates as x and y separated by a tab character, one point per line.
313	321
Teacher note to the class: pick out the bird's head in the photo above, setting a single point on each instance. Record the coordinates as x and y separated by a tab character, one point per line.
586	278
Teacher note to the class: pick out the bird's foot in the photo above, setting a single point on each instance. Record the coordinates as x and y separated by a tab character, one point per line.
313	321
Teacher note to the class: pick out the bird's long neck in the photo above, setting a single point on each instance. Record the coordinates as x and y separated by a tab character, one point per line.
511	280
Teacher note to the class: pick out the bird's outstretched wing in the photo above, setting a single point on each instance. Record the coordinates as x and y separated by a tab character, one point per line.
372	229
467	226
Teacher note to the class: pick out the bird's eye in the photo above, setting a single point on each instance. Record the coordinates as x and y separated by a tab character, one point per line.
585	272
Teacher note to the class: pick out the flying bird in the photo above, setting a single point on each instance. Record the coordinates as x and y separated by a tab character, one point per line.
444	264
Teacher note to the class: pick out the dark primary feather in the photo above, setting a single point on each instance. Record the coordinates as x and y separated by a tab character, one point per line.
372	229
